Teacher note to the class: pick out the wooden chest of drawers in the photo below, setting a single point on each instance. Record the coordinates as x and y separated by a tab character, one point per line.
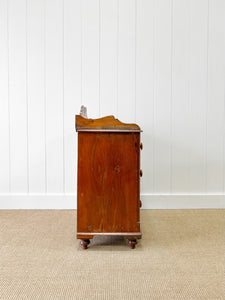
108	182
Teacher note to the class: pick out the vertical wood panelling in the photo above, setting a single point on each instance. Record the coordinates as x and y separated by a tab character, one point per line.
108	57
4	104
72	87
54	96
18	96
126	60
159	63
198	95
162	99
145	87
90	56
215	108
36	95
180	96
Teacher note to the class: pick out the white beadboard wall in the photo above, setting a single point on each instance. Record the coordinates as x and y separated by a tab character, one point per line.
159	63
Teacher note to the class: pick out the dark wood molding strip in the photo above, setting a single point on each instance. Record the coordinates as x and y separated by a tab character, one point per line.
133	234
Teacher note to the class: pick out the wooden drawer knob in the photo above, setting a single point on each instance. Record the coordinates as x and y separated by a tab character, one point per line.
141	146
140	203
141	173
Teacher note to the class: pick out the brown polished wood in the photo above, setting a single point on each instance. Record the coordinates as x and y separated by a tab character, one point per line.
132	243
108	182
84	243
103	124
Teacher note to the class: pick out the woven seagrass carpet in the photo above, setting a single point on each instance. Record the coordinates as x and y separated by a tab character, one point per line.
181	256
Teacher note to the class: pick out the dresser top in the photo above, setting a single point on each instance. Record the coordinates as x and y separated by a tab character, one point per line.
105	124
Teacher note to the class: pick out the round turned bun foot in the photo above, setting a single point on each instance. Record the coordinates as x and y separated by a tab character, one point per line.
132	243
84	244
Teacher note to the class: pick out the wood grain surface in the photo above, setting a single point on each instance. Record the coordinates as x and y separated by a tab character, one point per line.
108	183
109	123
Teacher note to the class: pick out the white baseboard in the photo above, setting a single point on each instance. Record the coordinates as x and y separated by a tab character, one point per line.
37	201
182	201
149	201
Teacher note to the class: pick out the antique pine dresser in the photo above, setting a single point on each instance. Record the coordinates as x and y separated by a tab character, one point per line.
108	179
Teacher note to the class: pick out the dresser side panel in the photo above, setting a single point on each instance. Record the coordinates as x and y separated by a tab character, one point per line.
108	182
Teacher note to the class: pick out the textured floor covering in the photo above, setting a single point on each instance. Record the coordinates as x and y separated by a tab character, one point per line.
181	256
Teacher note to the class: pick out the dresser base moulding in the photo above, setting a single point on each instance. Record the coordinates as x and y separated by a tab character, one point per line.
90	235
